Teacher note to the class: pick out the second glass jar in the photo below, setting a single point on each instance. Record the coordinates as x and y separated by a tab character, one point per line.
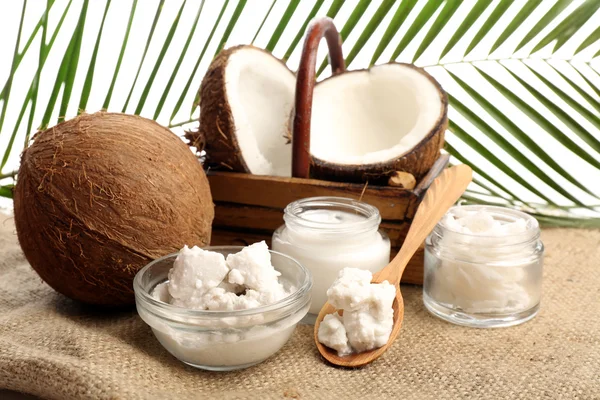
328	234
484	280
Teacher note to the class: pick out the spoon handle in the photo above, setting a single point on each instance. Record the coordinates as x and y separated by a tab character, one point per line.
445	190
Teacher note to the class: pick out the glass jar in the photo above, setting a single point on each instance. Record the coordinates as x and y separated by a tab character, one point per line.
328	234
484	281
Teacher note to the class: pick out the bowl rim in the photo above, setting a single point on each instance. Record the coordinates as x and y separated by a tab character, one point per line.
169	309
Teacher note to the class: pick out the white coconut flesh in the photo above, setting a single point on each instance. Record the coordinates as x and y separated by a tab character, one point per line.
260	91
372	116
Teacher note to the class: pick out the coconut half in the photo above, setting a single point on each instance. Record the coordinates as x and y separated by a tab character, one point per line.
367	124
246	98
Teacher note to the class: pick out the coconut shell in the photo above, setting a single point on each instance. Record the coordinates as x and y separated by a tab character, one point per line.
417	161
216	134
99	196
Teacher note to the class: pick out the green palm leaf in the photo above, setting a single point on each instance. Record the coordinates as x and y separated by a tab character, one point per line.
506	115
161	56
300	34
474	14
404	8
167	88
426	13
567	28
381	12
148	41
356	15
542	121
289	12
591	39
545	21
519	156
87	86
523	14
5	95
490	156
590	116
230	25
121	54
447	12
198	61
582	92
263	21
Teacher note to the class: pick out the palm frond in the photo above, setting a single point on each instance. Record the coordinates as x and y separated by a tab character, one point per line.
313	12
148	41
403	10
519	20
424	15
283	23
464	26
351	22
522	78
546	20
163	51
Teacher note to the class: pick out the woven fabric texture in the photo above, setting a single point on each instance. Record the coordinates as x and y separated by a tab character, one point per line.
55	348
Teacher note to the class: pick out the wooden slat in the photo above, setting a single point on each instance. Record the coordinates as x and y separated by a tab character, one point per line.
277	192
394	204
239	216
231	216
222	237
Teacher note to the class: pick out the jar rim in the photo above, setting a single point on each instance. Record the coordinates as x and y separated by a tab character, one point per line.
293	214
531	232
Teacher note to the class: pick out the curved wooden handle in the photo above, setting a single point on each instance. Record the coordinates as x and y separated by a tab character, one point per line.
445	190
305	84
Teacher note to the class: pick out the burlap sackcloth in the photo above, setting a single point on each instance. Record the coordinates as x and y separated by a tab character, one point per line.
55	348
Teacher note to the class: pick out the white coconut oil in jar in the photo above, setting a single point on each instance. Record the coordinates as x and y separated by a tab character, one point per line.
328	234
483	267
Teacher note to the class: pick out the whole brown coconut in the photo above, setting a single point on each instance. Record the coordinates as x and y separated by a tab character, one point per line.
100	196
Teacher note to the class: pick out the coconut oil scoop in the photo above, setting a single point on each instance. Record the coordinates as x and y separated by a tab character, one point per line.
445	190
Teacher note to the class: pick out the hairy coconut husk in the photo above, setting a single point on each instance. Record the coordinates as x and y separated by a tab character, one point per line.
99	196
217	133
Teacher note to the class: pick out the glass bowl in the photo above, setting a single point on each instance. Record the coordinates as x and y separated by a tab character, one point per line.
223	340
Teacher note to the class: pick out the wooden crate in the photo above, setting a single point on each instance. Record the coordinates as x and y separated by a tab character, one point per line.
248	208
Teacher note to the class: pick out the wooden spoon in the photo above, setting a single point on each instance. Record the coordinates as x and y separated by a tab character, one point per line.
445	190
